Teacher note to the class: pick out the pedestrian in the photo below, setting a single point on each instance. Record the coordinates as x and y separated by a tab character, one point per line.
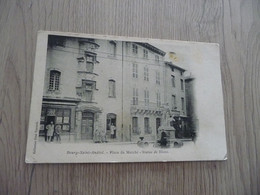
50	131
57	133
96	136
112	130
103	136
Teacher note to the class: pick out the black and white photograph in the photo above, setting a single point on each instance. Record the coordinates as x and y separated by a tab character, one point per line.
118	99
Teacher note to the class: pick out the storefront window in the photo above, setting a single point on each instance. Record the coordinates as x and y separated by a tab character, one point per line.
58	116
63	118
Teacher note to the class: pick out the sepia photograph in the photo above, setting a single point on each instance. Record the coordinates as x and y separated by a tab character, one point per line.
116	99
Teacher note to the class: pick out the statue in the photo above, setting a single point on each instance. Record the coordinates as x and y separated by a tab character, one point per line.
168	116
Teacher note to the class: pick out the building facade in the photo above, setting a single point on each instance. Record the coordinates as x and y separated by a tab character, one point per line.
106	90
82	92
175	96
144	91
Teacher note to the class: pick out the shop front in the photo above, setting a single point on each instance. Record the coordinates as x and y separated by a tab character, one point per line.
58	114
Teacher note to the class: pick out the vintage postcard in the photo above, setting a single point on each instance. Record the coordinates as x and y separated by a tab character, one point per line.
100	98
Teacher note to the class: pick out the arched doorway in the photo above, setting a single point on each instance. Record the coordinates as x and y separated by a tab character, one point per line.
87	125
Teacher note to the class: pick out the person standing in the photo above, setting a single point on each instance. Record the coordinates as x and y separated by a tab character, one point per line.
103	136
97	136
50	131
112	129
57	132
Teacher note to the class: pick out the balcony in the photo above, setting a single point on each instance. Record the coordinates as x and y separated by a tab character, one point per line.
146	108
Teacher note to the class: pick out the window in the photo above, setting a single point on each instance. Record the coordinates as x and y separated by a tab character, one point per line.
135	71
182	87
156	58
54	84
173	102
112	88
182	103
63	118
135	49
135	125
146	97
113	45
158	78
158	99
145	54
89	91
173	81
86	90
90	60
172	69
146	125
135	96
90	67
59	116
146	73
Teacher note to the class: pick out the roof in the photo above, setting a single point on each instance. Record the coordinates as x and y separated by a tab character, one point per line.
174	66
152	48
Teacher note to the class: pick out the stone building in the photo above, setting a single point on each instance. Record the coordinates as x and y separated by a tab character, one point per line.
144	91
175	89
94	85
175	96
82	92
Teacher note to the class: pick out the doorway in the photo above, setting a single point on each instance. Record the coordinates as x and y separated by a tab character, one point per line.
87	125
49	119
111	119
